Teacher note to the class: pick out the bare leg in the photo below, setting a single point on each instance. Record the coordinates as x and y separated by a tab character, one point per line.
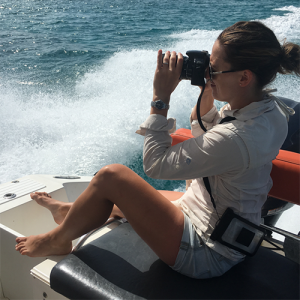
153	217
60	209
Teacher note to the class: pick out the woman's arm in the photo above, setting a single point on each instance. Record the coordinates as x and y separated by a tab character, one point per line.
213	153
166	78
207	102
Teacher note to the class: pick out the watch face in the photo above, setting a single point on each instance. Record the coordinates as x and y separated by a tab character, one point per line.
159	104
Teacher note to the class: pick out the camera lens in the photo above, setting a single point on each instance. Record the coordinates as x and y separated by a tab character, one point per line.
184	72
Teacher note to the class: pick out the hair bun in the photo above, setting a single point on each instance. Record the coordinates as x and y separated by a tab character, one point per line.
290	58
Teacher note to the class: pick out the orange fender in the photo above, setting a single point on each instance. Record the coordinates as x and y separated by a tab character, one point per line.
181	135
286	177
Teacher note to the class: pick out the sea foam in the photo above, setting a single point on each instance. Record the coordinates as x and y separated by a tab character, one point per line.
78	131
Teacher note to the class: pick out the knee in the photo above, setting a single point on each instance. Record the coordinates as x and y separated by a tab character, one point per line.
110	173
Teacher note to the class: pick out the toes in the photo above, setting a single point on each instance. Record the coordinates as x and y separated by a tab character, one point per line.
39	195
24	252
45	194
33	195
21	239
20	246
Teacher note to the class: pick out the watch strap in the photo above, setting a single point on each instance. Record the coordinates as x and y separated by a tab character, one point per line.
159	104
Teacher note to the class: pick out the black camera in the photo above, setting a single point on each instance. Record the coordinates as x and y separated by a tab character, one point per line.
194	67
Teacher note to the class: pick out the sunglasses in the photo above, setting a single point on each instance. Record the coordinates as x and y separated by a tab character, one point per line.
211	73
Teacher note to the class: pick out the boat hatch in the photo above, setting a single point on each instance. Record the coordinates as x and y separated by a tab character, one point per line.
18	188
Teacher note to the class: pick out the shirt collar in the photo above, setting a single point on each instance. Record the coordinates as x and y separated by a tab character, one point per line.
254	109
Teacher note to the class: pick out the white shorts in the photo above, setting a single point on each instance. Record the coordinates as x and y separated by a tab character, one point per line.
197	260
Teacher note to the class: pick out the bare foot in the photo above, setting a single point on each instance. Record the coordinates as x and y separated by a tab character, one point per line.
57	208
42	245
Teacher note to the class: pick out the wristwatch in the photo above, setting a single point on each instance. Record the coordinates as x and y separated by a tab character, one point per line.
159	104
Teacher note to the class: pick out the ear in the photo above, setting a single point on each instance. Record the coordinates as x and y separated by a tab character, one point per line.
246	78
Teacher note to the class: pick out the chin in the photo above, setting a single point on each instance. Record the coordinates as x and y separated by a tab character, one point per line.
215	95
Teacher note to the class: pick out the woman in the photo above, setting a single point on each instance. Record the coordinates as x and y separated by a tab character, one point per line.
236	156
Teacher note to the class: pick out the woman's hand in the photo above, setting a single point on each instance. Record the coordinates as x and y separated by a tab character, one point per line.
167	75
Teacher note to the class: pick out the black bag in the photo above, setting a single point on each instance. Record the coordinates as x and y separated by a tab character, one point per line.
238	233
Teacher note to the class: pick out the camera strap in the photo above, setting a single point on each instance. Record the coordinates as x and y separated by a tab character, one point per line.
226	119
205	179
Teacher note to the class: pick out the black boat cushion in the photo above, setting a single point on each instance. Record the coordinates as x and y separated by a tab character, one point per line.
120	265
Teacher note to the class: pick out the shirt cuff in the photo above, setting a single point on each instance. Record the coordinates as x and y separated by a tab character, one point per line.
157	123
207	121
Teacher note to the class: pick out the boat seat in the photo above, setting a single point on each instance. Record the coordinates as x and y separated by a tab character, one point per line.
120	265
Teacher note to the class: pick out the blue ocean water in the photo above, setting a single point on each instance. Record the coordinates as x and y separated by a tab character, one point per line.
76	76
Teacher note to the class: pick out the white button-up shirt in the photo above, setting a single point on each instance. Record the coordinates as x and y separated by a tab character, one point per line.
235	156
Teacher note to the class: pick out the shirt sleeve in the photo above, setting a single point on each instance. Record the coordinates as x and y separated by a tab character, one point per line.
208	120
212	153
